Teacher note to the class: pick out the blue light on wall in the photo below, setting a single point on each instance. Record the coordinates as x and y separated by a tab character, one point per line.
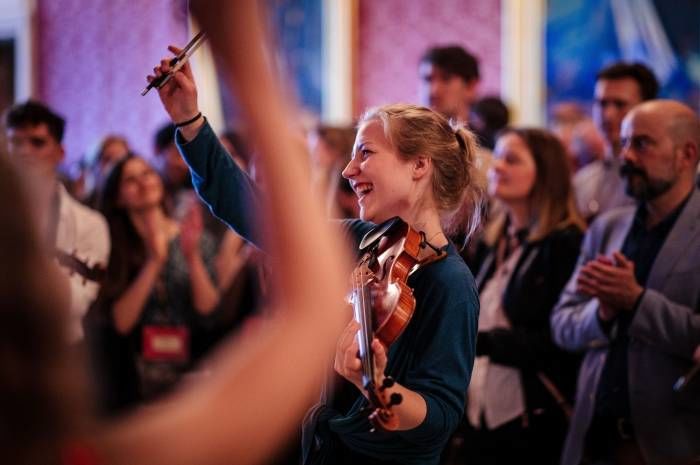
582	36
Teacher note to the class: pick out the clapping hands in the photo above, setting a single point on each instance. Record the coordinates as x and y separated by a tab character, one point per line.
612	281
191	227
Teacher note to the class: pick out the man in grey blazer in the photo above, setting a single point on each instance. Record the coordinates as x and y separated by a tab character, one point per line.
633	303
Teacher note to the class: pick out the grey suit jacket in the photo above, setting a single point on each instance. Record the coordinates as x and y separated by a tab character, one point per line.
663	335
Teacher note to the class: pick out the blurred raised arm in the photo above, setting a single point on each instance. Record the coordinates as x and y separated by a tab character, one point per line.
262	384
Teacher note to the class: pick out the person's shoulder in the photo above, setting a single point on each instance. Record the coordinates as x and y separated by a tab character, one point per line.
450	277
614	217
692	207
591	171
565	234
612	220
86	217
454	264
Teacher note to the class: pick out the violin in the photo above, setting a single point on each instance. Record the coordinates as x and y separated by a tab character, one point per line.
383	305
74	265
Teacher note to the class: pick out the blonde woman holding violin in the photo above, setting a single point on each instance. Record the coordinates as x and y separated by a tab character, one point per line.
407	162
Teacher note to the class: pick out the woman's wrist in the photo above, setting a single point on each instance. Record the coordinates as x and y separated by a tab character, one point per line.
189	128
187	121
156	261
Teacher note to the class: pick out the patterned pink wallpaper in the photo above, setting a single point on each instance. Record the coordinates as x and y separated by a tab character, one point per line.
93	56
394	33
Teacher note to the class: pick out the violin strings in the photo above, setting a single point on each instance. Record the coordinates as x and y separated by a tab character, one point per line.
366	327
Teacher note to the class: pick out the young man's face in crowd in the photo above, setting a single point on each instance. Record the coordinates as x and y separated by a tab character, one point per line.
613	99
444	92
35	145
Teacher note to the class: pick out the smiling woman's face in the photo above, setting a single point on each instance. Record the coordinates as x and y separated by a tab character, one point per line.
140	186
381	179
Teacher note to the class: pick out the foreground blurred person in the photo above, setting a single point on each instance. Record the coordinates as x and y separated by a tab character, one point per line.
259	387
633	302
408	162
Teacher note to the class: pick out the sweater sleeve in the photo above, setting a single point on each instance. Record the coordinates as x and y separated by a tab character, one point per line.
443	373
574	322
228	191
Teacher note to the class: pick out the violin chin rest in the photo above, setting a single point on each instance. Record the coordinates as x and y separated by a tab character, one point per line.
376	233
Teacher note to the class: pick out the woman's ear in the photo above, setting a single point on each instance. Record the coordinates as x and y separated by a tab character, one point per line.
421	166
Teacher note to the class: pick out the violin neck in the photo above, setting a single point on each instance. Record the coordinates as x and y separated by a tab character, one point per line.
363	314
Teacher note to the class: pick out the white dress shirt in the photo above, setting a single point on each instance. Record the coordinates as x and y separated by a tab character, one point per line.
82	232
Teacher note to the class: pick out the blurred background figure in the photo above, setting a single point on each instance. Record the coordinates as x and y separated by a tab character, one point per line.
159	288
619	87
586	145
78	236
583	142
488	116
449	80
96	165
330	148
236	145
631	307
173	170
530	248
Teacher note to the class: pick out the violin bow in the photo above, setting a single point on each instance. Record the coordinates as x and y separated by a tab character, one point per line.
177	62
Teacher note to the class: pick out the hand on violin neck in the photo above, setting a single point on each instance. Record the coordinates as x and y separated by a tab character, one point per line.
410	410
379	360
347	362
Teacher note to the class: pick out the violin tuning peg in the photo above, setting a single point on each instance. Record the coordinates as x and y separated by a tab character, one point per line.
395	399
387	382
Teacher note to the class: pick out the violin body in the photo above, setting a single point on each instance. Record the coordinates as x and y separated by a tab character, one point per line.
395	258
383	305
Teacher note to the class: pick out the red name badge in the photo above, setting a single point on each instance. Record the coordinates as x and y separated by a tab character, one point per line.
166	343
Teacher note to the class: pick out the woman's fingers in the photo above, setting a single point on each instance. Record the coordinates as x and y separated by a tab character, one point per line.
352	363
175	49
165	65
379	357
344	342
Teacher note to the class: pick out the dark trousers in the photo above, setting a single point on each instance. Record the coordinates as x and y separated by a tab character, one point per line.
536	440
611	441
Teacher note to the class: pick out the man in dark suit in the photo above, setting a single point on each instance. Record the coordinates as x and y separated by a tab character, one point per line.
633	303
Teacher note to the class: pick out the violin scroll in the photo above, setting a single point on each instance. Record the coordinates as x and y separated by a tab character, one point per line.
382	417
